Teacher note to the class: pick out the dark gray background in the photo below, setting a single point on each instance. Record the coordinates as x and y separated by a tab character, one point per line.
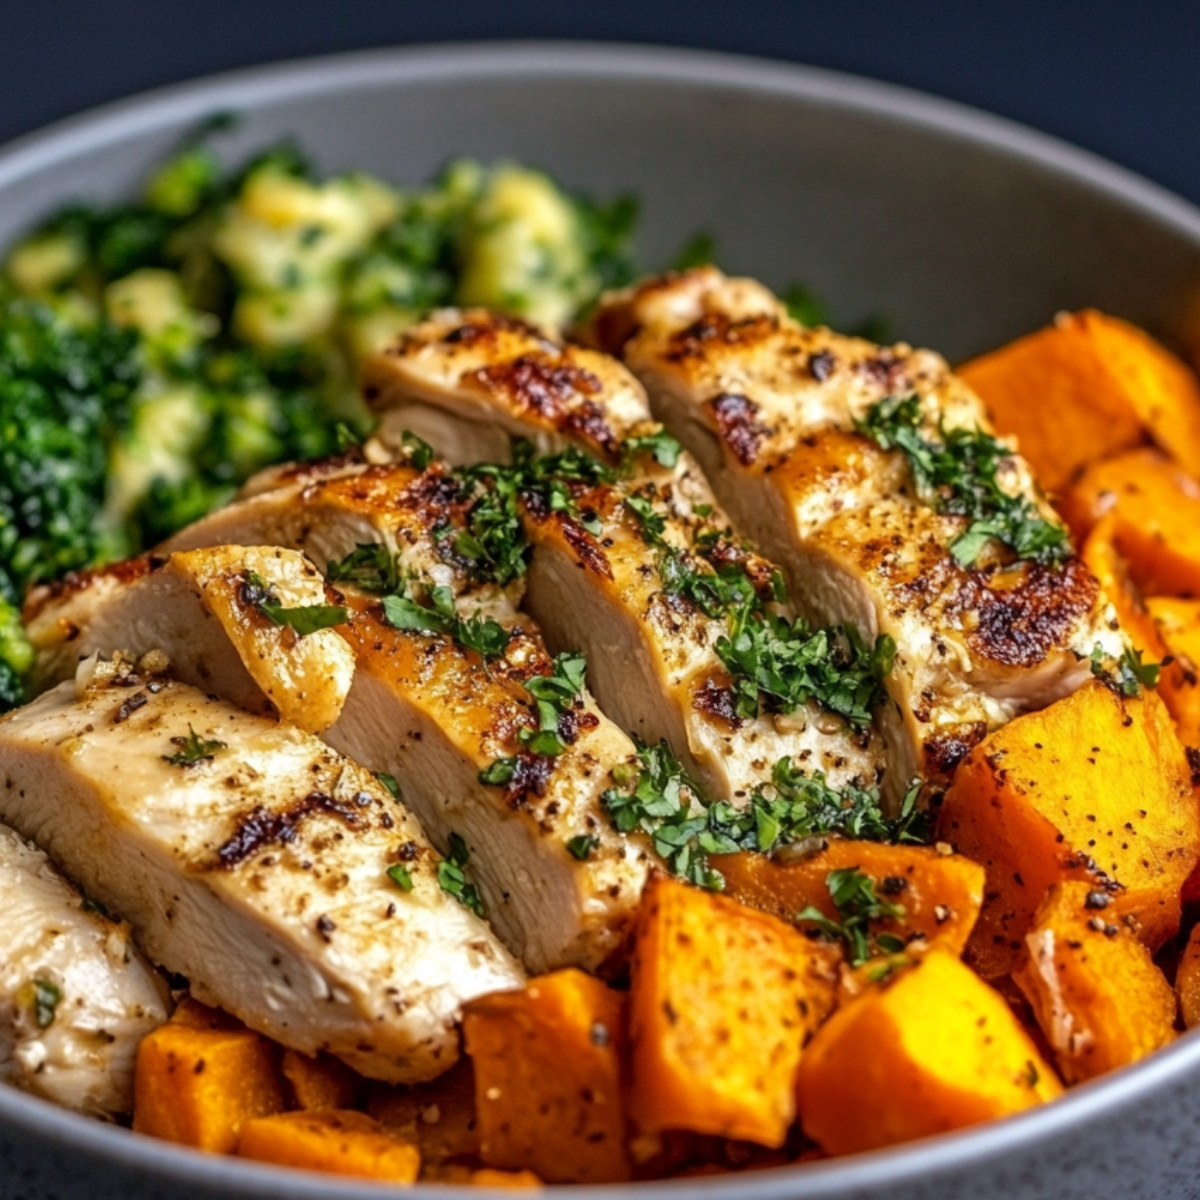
1120	78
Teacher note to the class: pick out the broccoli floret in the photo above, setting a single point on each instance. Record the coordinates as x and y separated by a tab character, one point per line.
64	391
16	656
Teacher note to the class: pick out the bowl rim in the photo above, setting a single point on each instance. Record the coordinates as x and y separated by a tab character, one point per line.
151	111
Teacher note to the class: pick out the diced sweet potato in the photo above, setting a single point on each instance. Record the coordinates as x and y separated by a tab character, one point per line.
721	1002
338	1143
1187	980
198	1086
1085	388
931	1050
548	1078
321	1082
1178	625
439	1115
1155	507
941	894
1177	681
1095	788
1099	1000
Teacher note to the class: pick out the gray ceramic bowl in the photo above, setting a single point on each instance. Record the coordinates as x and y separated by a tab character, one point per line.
965	230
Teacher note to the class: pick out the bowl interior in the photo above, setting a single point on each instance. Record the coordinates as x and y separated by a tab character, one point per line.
959	229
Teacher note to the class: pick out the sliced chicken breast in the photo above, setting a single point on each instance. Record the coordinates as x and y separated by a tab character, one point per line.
771	411
449	368
76	996
434	714
204	610
603	583
283	880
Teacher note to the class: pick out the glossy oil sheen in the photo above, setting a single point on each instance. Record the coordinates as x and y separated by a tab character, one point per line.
963	230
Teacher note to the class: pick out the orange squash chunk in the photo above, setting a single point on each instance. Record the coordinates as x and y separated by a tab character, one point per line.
1177	623
932	1049
941	894
721	1001
337	1143
199	1087
1100	1001
548	1078
1094	788
1085	388
1187	980
1177	680
320	1082
1155	507
439	1116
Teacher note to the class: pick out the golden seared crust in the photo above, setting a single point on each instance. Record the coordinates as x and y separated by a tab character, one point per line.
504	369
73	583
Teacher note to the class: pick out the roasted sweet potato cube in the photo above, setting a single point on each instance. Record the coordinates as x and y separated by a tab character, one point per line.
1187	980
941	894
1099	1000
1085	388
1177	681
198	1087
438	1115
194	1015
1178	626
337	1143
1095	788
932	1049
721	1001
549	1091
321	1081
1155	507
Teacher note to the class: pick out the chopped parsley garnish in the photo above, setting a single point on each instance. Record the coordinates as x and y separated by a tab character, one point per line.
779	665
371	567
553	695
656	796
1129	675
959	475
452	876
715	592
418	452
653	523
486	637
494	540
42	998
582	846
401	876
661	445
304	619
500	772
853	895
374	568
389	782
193	749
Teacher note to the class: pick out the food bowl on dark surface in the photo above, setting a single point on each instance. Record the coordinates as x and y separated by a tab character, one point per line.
963	229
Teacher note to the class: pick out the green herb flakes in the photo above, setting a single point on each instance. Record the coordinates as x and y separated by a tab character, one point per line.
451	875
959	475
401	876
853	895
193	749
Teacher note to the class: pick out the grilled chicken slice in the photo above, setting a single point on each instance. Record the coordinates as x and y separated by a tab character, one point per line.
602	584
448	370
435	715
255	861
76	997
199	608
770	409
